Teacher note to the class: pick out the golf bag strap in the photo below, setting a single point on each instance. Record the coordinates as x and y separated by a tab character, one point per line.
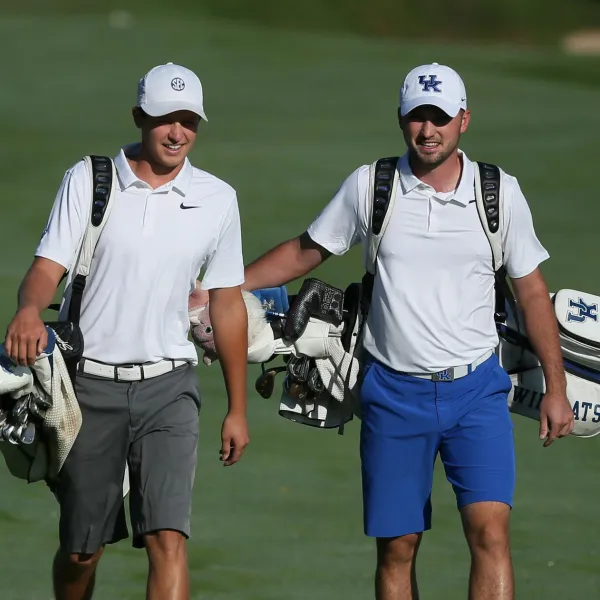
102	173
490	201
382	194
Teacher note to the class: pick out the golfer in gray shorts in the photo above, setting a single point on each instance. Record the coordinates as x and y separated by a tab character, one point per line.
154	423
136	382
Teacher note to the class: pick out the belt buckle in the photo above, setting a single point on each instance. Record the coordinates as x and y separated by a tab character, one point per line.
445	375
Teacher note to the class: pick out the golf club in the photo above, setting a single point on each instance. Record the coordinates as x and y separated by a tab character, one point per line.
265	383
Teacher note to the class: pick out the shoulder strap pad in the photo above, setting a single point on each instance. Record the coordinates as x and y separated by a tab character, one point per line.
488	194
102	174
383	179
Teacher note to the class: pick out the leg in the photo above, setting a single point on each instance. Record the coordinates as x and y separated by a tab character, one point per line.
478	454
162	462
486	526
399	443
74	575
396	578
168	577
89	488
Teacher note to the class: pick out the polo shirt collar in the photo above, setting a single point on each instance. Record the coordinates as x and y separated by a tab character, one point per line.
464	193
128	178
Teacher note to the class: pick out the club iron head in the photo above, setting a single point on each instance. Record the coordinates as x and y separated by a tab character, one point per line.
7	432
265	383
315	383
28	436
299	368
20	411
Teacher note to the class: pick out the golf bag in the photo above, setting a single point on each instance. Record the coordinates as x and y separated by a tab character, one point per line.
577	317
39	413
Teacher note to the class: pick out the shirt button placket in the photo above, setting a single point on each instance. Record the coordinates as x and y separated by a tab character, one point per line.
148	226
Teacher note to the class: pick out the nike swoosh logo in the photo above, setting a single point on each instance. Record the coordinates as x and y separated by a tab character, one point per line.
184	207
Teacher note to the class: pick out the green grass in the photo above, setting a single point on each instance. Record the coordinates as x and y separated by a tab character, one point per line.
523	23
290	116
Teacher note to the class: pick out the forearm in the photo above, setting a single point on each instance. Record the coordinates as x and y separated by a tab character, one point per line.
284	263
230	330
542	330
38	287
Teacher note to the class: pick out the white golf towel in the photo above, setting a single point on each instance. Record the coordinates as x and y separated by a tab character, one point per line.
43	459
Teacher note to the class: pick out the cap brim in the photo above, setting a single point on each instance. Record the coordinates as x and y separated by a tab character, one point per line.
449	108
160	109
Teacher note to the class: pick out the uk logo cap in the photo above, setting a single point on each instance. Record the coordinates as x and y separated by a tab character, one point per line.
436	85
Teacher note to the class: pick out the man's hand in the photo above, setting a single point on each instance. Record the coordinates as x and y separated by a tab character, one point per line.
234	437
556	418
198	298
26	337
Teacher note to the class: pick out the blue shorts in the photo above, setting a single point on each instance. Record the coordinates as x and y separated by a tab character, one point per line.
406	421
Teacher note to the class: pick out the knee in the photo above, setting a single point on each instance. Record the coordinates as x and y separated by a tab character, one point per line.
165	546
489	539
78	563
396	552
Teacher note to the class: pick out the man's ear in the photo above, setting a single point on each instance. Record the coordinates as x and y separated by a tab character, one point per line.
138	116
465	120
400	118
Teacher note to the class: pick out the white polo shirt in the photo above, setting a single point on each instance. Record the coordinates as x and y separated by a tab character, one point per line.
151	251
433	297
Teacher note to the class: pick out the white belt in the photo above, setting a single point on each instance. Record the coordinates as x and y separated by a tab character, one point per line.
129	372
453	373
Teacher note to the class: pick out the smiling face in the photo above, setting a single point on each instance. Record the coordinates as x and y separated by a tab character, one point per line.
167	140
431	135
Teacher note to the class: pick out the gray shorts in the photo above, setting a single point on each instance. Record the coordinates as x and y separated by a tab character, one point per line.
153	426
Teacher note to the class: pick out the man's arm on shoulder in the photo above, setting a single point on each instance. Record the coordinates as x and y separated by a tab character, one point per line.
229	320
531	293
284	263
334	231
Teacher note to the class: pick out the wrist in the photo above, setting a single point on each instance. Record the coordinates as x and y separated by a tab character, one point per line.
29	310
237	410
552	390
556	385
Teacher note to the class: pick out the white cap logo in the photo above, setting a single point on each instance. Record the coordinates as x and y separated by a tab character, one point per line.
430	84
178	84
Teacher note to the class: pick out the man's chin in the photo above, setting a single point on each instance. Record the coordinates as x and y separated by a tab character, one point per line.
171	162
429	158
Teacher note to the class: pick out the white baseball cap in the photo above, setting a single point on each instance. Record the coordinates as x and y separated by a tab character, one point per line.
168	88
433	84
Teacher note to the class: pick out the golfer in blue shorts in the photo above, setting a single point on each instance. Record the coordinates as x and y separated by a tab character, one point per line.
432	384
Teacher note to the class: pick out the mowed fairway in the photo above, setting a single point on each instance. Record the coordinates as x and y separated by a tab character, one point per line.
290	115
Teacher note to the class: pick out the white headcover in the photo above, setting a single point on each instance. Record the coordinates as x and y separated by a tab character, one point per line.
12	377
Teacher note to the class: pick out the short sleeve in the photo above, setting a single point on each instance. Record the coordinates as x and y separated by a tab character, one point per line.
523	252
66	224
225	265
338	227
